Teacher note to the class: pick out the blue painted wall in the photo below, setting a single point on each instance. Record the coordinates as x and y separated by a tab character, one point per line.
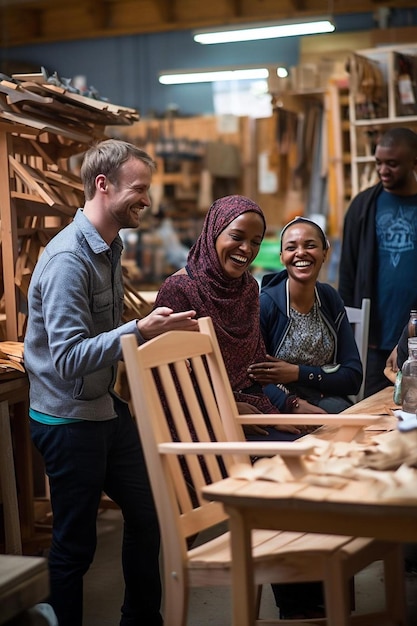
125	69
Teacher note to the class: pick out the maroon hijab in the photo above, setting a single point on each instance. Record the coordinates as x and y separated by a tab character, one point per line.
232	303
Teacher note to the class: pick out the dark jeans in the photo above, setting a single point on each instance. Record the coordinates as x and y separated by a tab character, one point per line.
82	460
273	434
298	596
375	379
291	596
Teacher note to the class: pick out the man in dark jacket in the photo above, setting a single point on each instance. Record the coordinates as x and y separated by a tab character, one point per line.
379	249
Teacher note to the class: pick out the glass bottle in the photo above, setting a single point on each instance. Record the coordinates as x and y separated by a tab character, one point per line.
412	332
409	379
412	324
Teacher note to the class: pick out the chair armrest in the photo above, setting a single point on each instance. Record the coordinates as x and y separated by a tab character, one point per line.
291	453
348	426
258	448
321	419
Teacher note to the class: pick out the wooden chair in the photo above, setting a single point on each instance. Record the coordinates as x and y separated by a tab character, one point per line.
8	491
188	423
359	319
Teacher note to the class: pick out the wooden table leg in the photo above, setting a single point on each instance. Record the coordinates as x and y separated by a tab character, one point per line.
8	493
24	470
243	587
14	392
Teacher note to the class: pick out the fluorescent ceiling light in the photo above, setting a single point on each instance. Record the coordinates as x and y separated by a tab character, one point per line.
282	72
265	31
198	76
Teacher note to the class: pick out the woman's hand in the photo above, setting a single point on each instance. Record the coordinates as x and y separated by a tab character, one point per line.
289	428
305	407
273	371
244	408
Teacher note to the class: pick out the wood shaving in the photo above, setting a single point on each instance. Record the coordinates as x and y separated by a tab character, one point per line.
387	464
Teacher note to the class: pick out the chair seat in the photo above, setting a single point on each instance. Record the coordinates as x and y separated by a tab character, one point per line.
295	550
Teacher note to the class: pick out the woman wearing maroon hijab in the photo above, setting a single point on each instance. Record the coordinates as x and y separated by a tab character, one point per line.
216	282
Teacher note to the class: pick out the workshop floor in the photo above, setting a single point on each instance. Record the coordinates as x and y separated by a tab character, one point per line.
103	590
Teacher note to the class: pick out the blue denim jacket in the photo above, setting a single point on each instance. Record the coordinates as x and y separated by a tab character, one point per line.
72	344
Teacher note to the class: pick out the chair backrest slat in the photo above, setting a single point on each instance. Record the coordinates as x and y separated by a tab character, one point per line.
173	400
179	428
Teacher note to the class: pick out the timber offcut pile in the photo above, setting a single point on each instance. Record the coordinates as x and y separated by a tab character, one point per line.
45	128
58	110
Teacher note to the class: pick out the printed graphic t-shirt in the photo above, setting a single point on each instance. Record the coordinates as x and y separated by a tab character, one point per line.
396	231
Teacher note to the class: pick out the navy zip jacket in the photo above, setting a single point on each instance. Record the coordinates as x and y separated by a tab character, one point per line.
343	377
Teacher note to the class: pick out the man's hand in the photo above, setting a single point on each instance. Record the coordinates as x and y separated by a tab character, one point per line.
163	319
392	361
391	366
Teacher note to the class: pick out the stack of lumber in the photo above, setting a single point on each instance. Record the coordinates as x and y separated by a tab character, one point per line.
44	131
48	108
11	356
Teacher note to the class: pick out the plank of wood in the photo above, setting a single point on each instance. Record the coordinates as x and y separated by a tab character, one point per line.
42	127
24	582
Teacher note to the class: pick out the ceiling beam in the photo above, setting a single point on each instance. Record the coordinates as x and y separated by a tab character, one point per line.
99	12
167	10
298	5
39	21
237	9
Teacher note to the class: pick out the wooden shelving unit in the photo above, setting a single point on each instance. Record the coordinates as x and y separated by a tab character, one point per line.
339	155
162	138
42	126
375	103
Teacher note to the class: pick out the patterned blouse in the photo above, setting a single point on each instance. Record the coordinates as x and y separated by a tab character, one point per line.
308	341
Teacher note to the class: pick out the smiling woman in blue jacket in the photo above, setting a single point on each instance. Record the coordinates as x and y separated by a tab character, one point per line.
313	363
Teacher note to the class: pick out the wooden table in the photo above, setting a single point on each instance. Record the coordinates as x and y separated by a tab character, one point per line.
24	582
381	404
378	404
14	389
301	507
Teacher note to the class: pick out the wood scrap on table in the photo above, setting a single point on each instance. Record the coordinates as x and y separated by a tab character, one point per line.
384	469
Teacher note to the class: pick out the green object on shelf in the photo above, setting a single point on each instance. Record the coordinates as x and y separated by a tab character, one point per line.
268	255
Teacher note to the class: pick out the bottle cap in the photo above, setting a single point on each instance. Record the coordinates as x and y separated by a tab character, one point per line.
412	342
